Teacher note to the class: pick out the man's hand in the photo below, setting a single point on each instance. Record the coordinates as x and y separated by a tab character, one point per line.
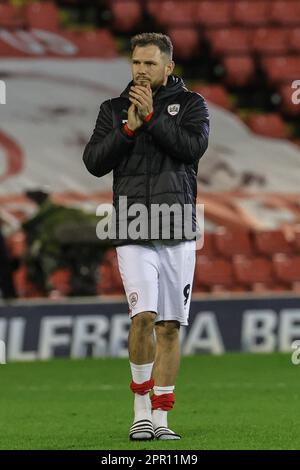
141	97
134	120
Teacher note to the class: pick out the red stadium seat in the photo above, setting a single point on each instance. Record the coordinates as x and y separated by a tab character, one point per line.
285	12
10	17
251	13
294	40
16	244
105	283
269	125
42	15
270	41
287	270
110	281
98	43
172	12
270	242
215	94
19	279
287	105
185	42
254	273
233	242
209	14
282	69
297	239
60	281
126	14
239	71
230	41
23	286
208	248
213	273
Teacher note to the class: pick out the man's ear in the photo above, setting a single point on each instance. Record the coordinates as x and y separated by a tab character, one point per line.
170	67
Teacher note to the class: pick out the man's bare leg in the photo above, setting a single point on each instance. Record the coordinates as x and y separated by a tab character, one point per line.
166	365
141	347
167	358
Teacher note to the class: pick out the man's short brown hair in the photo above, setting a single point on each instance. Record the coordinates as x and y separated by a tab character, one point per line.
162	41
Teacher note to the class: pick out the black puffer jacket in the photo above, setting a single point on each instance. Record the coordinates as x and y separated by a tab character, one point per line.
159	164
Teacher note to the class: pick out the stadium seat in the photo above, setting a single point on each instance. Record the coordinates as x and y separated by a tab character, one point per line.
16	244
287	269
255	273
19	279
294	40
24	287
208	248
270	242
60	281
269	125
110	282
230	41
42	15
282	69
10	16
270	41
233	242
251	13
213	273
104	284
126	14
297	240
209	14
287	105
216	94
185	42
239	71
172	12
285	12
98	43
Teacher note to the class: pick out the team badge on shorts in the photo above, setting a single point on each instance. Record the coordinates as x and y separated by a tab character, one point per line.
173	109
133	298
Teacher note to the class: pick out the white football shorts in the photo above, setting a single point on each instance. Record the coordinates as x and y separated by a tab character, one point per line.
158	277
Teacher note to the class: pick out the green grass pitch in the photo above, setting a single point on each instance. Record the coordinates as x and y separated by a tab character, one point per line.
234	401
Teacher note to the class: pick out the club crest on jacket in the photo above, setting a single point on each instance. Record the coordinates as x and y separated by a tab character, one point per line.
173	109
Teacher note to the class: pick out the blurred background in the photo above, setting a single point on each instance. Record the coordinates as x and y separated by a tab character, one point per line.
59	61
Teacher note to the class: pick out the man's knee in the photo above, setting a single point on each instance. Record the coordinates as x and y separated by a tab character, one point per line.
167	330
144	322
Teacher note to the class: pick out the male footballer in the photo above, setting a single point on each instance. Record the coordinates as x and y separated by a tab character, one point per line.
153	137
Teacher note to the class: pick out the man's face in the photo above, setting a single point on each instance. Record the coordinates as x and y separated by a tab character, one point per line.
150	65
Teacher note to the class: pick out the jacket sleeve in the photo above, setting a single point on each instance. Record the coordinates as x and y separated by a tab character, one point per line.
107	145
187	141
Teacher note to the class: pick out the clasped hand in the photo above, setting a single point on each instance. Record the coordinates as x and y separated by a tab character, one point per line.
141	97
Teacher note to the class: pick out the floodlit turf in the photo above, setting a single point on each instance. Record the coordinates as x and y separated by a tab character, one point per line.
235	401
